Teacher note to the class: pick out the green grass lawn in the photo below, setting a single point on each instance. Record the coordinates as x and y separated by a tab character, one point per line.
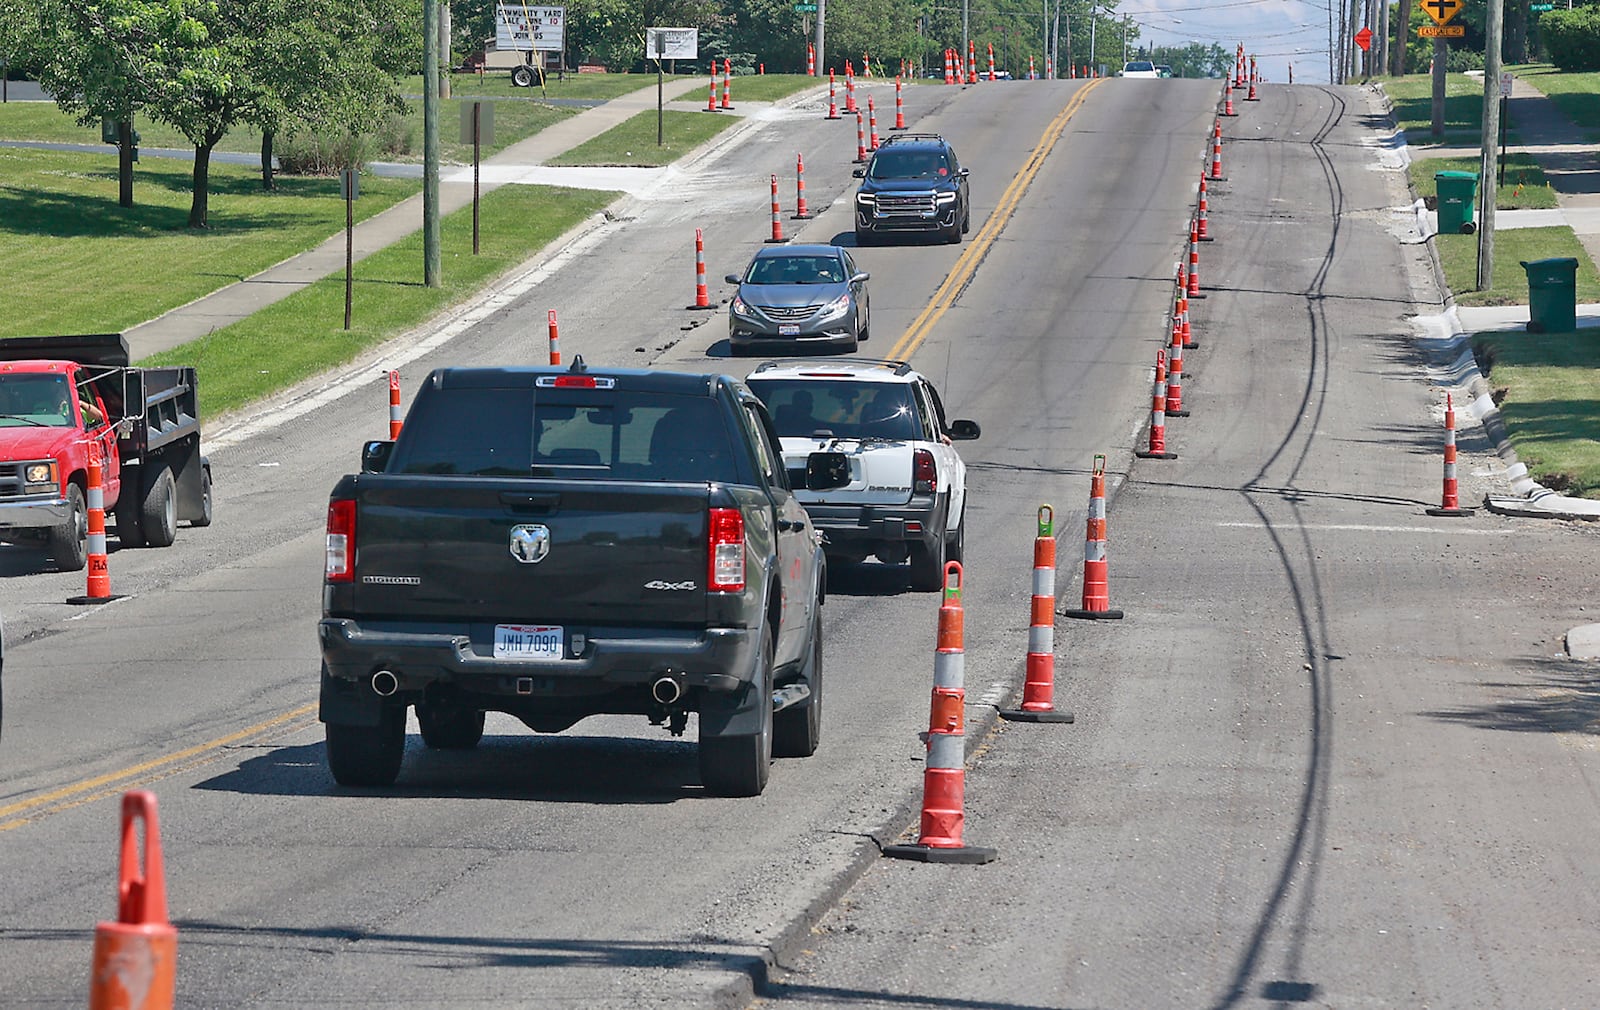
1551	395
1413	104
633	143
1578	94
1459	255
1525	187
76	262
304	334
497	84
760	88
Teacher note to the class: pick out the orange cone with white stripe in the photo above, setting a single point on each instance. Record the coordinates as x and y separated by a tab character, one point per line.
1096	570
777	215
1158	415
1204	210
1039	676
944	775
801	212
1216	154
727	72
98	589
135	963
899	108
396	418
833	102
555	340
1450	504
702	297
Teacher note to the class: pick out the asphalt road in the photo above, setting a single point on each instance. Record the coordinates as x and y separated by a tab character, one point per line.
1287	771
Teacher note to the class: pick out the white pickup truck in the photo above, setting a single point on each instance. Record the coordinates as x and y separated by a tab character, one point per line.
908	486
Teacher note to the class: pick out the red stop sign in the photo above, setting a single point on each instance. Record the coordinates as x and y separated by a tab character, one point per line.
1364	39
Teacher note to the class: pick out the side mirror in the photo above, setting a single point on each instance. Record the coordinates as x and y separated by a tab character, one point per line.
125	427
964	431
861	278
733	279
964	172
827	471
375	456
859	173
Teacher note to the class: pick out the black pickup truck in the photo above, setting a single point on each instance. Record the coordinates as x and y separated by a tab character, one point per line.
556	544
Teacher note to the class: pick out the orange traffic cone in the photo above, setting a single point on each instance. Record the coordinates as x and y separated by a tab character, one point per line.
98	588
1038	685
136	958
555	340
944	775
702	297
1096	571
396	418
1450	504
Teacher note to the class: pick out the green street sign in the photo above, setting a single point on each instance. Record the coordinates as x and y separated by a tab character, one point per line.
1541	7
806	8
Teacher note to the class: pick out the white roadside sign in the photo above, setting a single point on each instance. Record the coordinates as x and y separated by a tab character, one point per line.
672	43
521	27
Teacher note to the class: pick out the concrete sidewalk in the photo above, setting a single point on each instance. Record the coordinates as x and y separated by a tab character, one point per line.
515	163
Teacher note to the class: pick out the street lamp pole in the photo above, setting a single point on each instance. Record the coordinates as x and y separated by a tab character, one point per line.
1093	62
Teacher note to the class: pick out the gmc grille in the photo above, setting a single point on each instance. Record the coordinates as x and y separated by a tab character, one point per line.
905	205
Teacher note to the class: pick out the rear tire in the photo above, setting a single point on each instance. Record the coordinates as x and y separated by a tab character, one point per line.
204	518
158	515
522	77
955	541
447	727
927	566
740	765
796	731
368	755
69	543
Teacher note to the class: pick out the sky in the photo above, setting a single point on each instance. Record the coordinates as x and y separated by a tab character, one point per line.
1276	32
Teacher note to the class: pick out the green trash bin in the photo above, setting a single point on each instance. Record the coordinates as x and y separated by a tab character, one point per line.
1552	294
1458	191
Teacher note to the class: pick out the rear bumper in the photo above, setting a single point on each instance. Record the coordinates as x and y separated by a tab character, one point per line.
715	659
33	513
919	521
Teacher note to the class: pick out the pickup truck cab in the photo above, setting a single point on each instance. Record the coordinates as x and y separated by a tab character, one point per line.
907	493
555	544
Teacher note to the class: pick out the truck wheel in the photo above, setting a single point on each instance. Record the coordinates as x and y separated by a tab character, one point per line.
955	541
927	566
796	731
69	543
739	765
522	77
449	727
204	518
368	755
158	515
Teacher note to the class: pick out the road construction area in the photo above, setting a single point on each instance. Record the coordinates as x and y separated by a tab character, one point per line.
1334	753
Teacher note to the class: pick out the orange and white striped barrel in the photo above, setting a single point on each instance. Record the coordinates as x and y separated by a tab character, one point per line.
396	418
711	98
1216	153
99	581
1096	569
702	296
1204	209
1450	503
1158	414
1194	260
833	101
849	87
991	61
1174	406
811	61
972	62
777	214
800	211
1039	672
872	125
1227	99
861	139
949	67
555	340
899	107
727	72
1185	334
944	774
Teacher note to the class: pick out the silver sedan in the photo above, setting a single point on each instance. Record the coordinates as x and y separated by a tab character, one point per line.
799	295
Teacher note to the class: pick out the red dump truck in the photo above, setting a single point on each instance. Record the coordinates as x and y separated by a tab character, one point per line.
63	398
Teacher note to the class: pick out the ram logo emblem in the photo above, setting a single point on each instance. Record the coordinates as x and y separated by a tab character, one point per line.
530	543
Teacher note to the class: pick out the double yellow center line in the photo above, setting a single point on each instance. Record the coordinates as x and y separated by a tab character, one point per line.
967	265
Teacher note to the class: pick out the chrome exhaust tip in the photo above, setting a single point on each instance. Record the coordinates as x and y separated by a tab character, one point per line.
385	683
667	690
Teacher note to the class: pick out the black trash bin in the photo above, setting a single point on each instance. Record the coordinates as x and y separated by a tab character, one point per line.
1552	294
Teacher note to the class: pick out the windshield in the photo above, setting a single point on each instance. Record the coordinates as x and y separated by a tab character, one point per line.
903	164
802	407
1139	66
796	270
573	434
33	400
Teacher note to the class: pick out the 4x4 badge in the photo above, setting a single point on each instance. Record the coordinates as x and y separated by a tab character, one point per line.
530	543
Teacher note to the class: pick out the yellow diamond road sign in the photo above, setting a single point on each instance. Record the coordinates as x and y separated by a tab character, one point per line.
1442	10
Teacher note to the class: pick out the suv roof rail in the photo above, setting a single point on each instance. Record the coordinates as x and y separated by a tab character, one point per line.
899	367
897	137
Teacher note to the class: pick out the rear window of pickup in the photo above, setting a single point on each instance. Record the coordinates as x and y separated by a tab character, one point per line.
567	433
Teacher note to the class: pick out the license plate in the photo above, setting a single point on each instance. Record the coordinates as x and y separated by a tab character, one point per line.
529	641
788	329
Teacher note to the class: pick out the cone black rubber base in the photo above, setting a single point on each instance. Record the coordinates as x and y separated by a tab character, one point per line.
1195	297
974	855
1216	178
1023	715
1177	413
1208	238
85	601
1092	615
1448	512
1147	454
1190	345
801	217
777	241
832	117
699	308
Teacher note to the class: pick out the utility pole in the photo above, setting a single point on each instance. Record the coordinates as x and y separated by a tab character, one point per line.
822	15
1350	47
1383	37
963	53
430	143
1401	29
1092	19
1124	39
1488	192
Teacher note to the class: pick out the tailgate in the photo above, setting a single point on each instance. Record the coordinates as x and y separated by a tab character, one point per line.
542	552
880	471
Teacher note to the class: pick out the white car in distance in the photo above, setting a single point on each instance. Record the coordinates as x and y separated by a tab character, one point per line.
1140	68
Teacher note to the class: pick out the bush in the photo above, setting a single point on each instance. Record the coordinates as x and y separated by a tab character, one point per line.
1572	38
1462	60
305	151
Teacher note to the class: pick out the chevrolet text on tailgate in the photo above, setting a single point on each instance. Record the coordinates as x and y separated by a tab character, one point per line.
555	544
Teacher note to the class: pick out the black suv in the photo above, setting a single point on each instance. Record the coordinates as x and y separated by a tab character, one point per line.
914	183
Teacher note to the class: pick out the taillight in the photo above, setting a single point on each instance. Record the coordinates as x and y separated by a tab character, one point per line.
726	544
924	475
341	565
